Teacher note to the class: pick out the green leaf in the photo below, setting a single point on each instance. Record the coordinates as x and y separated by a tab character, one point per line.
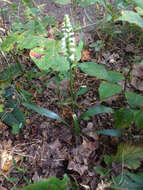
76	124
107	89
16	128
114	76
139	119
60	63
52	183
138	3
83	90
44	112
123	118
8	44
131	17
1	107
128	181
134	100
79	50
63	2
110	132
94	69
96	110
129	154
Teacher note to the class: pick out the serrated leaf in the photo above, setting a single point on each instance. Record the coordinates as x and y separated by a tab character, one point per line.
43	111
108	89
114	76
96	110
134	100
123	118
128	181
129	154
139	119
131	17
94	69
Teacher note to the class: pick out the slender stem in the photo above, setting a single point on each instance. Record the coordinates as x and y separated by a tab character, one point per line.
72	88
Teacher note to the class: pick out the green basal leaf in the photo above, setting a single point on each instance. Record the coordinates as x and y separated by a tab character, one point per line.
131	17
123	118
114	76
76	124
63	2
108	89
44	112
52	183
94	69
128	181
110	132
139	119
134	100
128	154
96	110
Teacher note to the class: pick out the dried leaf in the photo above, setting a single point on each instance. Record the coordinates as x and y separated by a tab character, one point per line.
85	55
6	160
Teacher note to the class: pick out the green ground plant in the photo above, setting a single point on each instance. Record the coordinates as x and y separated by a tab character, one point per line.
58	52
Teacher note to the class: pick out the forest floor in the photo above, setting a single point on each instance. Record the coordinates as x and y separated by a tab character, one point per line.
46	147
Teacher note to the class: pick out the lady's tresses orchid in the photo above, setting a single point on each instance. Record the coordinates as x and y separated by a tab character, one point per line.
68	40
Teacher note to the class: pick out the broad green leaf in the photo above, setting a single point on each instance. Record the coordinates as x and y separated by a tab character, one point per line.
123	118
60	63
30	41
128	154
139	119
114	76
134	100
128	181
63	2
45	112
52	183
110	132
94	69
8	44
96	110
131	17
108	89
138	3
139	11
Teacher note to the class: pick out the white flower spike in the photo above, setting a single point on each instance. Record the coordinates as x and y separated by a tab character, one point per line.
68	40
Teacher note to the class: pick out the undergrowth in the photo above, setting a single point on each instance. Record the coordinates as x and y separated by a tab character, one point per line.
52	46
